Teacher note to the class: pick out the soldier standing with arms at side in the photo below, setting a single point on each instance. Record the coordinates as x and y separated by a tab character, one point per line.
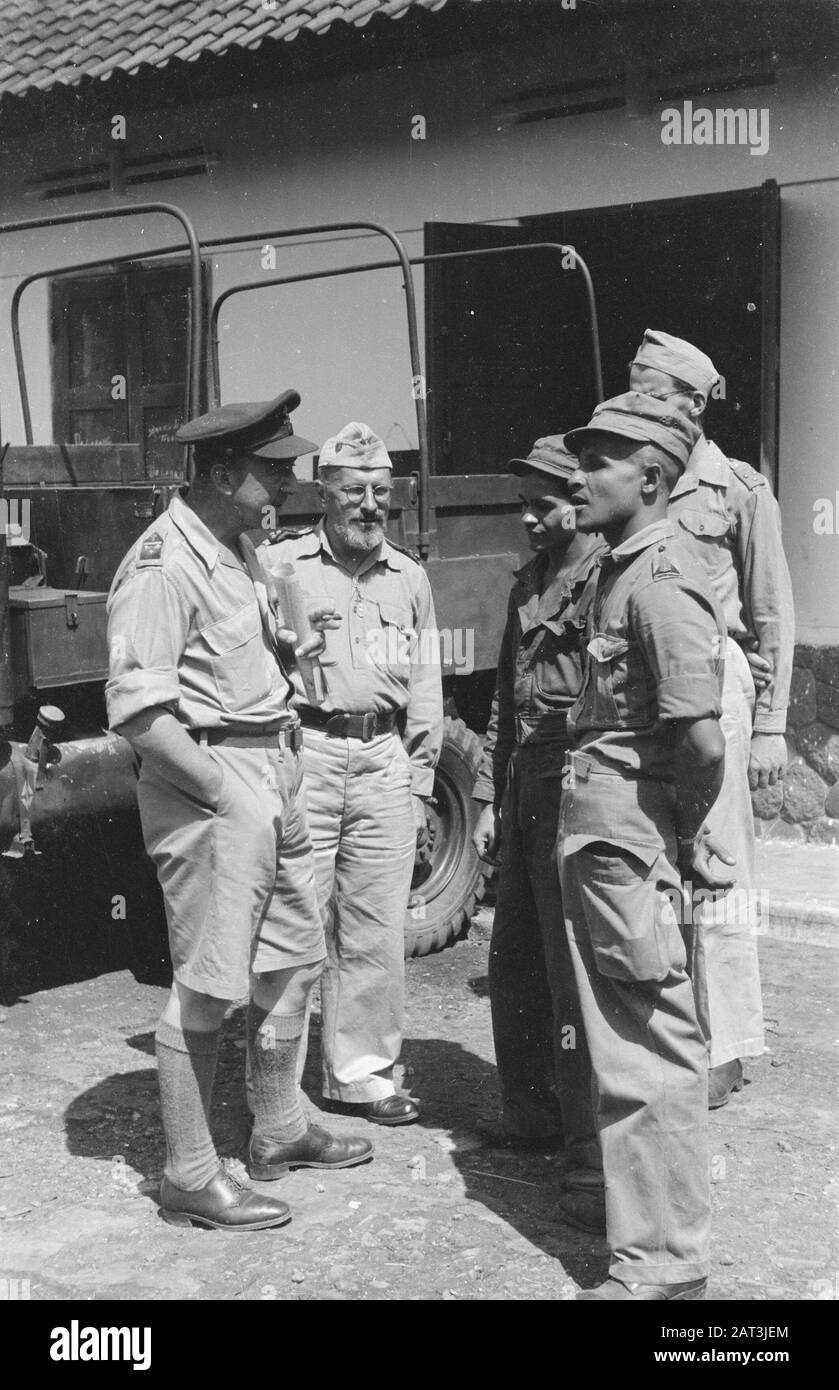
195	688
646	769
369	751
540	1050
727	516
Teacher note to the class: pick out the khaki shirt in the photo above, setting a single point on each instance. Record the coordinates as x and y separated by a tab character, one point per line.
727	516
655	653
385	657
540	663
185	632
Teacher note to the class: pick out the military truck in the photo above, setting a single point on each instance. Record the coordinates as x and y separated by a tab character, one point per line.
513	351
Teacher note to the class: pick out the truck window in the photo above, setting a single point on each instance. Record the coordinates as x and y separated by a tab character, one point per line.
119	360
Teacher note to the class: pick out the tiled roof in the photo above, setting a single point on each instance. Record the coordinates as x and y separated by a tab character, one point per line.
48	43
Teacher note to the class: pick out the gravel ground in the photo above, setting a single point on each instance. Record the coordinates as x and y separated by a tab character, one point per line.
442	1212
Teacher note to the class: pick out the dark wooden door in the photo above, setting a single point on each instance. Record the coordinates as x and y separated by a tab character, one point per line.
501	347
704	268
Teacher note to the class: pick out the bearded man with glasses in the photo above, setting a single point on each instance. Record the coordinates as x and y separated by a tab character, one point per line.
369	753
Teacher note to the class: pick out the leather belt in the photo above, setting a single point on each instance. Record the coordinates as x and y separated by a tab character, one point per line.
342	725
252	736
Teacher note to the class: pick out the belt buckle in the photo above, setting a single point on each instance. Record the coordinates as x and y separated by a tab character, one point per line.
368	727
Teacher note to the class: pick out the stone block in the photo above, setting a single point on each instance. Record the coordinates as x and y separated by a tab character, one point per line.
819	744
831	805
805	656
825	832
827	699
802	699
826	666
767	802
804	792
786	832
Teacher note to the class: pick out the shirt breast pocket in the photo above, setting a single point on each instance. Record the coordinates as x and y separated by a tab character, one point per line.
620	682
708	533
548	663
608	671
392	645
238	657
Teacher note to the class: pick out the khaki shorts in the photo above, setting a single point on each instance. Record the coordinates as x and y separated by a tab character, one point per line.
238	879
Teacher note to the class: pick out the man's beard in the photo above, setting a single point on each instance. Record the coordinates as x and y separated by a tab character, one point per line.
359	539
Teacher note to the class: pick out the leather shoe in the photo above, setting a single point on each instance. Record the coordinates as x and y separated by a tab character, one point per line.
586	1211
722	1081
614	1291
268	1159
390	1110
224	1204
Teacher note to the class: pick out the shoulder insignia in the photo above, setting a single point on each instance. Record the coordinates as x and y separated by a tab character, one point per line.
747	474
664	565
403	550
150	550
286	533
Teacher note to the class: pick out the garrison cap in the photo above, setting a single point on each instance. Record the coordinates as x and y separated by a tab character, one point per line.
251	427
355	446
677	358
548	455
642	418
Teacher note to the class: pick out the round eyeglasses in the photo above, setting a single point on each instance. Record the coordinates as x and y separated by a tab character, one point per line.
358	493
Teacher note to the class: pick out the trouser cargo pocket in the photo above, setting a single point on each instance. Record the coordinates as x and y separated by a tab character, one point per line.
631	917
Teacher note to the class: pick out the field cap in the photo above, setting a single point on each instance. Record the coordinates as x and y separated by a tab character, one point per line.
355	446
678	358
548	455
262	428
642	418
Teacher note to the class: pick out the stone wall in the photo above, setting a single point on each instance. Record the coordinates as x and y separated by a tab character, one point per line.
806	807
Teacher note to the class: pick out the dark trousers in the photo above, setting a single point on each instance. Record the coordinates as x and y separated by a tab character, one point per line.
544	1069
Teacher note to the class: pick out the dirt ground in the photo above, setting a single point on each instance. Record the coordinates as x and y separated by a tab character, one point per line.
441	1213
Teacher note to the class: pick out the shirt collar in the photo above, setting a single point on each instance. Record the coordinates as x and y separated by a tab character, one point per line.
193	530
642	540
707	464
542	609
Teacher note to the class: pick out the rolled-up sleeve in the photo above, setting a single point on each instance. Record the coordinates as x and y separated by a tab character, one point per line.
423	732
768	604
682	637
148	623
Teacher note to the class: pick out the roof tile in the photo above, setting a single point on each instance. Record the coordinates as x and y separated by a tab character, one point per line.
43	45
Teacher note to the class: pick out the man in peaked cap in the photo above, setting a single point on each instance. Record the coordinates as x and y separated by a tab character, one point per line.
369	751
726	514
197	690
540	1050
645	770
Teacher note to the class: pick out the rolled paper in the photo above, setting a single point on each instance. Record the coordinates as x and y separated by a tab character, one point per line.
284	588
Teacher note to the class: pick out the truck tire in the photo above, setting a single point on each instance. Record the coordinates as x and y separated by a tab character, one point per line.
449	880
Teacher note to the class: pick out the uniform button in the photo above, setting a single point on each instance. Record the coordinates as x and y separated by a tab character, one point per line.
702	525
